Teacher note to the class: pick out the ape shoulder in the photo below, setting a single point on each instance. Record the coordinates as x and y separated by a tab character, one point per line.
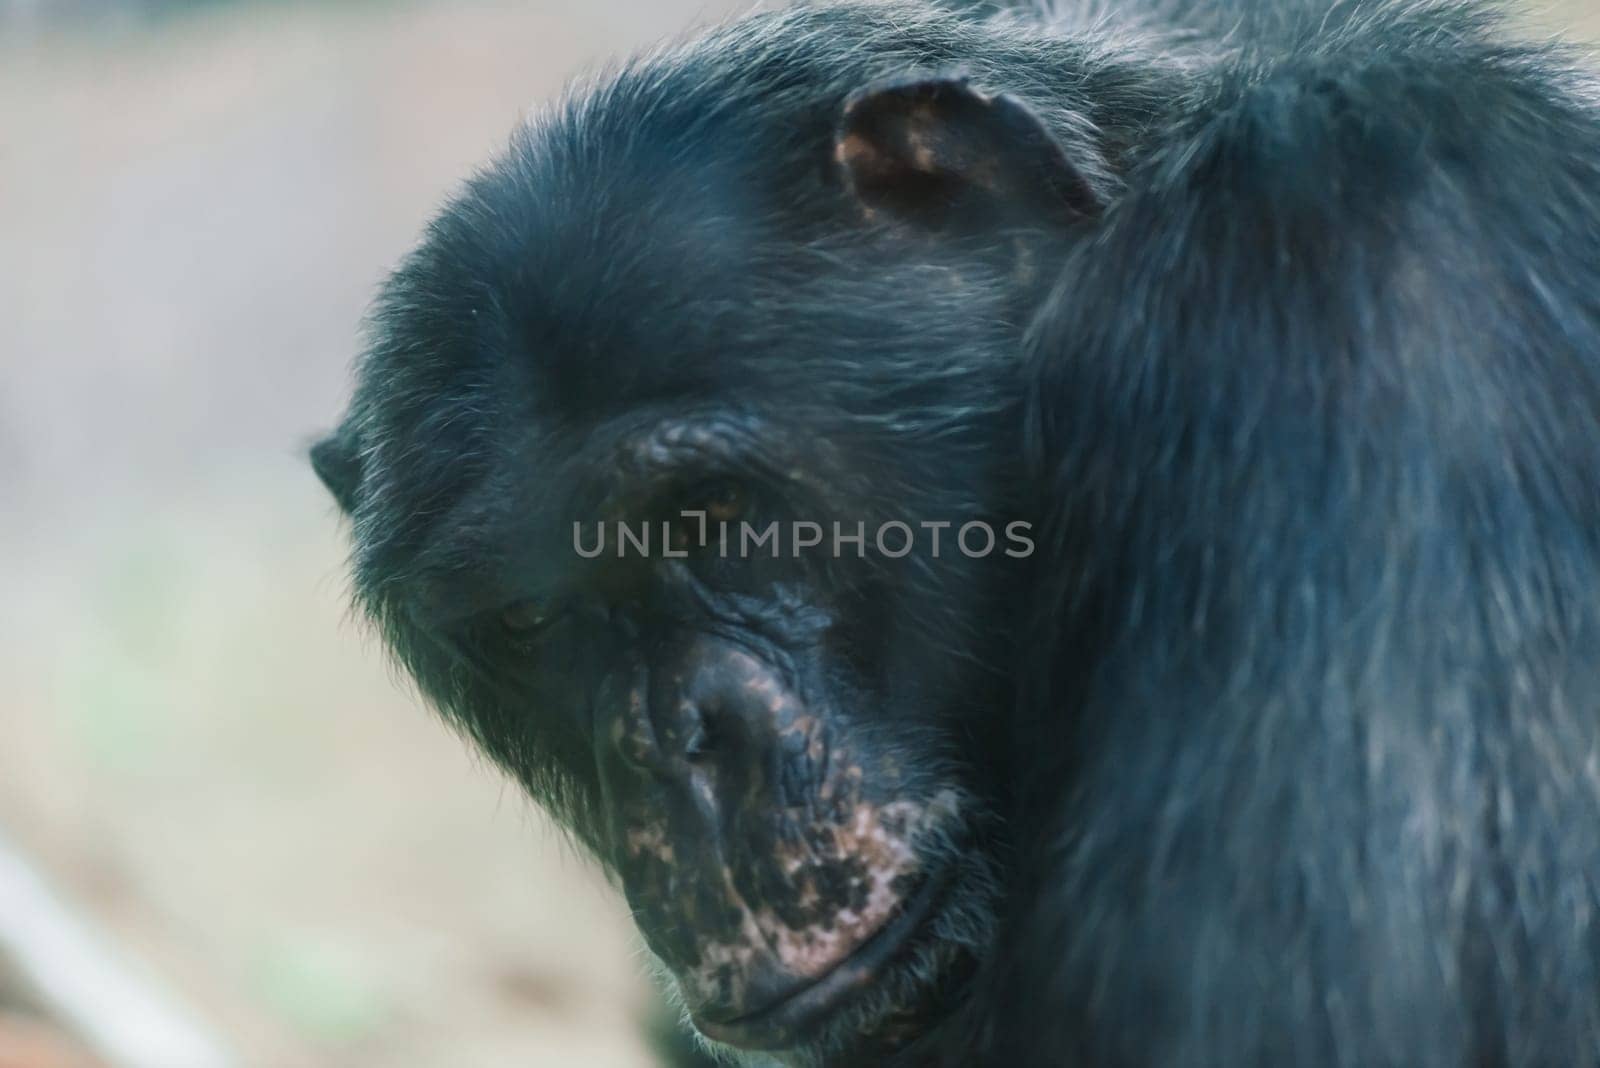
1321	522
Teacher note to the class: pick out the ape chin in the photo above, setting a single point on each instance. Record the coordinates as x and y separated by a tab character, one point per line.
1245	356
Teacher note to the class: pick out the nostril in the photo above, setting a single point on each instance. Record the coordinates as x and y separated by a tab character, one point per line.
707	734
699	744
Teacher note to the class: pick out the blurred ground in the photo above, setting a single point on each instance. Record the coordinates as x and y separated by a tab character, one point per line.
198	745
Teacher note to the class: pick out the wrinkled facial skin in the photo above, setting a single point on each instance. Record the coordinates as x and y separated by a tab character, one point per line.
761	861
773	757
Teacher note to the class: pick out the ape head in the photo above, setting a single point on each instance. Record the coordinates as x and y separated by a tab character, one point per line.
750	282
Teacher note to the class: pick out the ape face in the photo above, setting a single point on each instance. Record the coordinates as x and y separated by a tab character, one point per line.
683	315
767	751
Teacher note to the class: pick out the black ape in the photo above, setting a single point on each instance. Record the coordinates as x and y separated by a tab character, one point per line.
1277	330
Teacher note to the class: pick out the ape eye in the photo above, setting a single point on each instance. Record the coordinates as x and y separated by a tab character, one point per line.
703	508
523	617
722	501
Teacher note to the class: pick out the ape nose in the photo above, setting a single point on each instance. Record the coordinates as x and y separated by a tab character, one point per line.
689	732
694	730
717	708
699	731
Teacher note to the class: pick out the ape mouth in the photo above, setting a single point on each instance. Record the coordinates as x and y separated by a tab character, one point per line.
782	1022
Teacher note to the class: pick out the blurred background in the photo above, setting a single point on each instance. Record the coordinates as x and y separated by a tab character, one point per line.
213	790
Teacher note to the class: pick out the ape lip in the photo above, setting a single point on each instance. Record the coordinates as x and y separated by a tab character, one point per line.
777	1024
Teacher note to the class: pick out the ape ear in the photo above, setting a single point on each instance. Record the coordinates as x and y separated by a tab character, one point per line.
936	152
337	461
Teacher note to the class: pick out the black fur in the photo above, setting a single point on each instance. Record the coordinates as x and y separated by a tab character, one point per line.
1285	746
1333	501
